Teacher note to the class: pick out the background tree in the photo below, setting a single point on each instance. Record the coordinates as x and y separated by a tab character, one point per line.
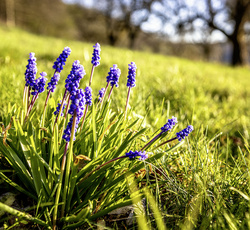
125	16
227	16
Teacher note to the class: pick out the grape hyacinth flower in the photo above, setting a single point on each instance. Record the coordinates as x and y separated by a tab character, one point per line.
60	61
180	135
40	84
131	82
131	74
73	80
166	128
37	89
31	71
58	108
143	155
88	102
53	82
76	109
58	67
88	95
96	55
169	125
184	133
95	60
30	79
100	94
113	78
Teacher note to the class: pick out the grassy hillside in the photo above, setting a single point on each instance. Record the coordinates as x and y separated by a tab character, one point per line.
203	184
211	95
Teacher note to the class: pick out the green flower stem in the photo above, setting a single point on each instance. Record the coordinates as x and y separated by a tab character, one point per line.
58	192
28	98
110	92
61	107
91	75
165	142
100	166
104	94
126	107
30	106
44	109
84	116
25	93
68	164
151	142
64	120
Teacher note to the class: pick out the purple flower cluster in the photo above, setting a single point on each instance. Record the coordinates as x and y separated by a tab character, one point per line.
96	55
100	94
77	105
31	71
39	84
88	96
53	82
184	133
143	155
73	80
60	61
58	108
131	74
169	125
113	75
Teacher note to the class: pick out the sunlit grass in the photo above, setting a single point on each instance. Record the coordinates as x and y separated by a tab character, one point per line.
204	184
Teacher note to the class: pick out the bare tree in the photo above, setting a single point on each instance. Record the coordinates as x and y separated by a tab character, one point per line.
227	16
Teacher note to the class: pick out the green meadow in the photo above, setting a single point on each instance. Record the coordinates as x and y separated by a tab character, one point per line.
206	181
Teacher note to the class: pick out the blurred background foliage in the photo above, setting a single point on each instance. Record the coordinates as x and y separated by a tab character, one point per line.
211	30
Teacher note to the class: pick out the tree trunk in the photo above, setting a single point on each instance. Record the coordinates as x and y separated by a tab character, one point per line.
10	12
239	54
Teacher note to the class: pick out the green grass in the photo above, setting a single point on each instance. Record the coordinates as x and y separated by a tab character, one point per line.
211	95
205	183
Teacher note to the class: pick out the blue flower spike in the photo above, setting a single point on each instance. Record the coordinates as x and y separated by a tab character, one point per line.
169	125
31	71
88	95
113	78
73	80
141	154
130	83
60	61
40	84
77	107
96	55
95	60
101	94
58	108
131	74
184	133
